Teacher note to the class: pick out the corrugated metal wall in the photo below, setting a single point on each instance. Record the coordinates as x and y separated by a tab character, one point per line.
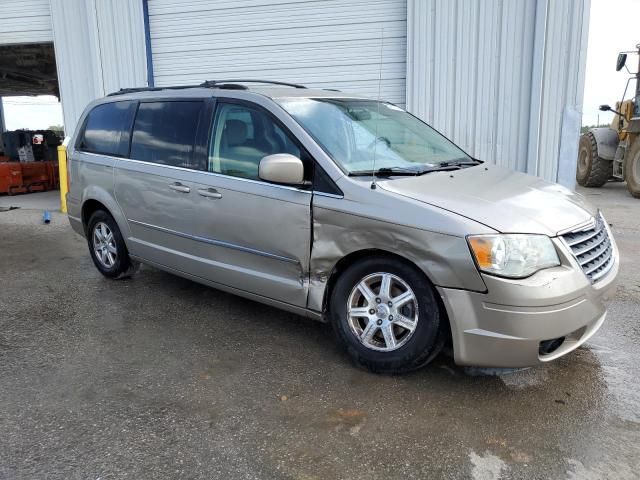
121	36
99	49
503	78
565	53
25	21
327	44
499	77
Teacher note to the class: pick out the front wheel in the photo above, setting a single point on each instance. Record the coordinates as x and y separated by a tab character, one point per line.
107	248
386	315
632	169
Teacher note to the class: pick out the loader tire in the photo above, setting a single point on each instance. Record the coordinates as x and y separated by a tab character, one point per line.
632	169
591	171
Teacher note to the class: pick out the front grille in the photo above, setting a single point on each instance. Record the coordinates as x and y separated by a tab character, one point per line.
592	248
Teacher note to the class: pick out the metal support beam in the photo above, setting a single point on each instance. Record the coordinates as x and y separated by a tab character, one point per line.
537	79
147	44
3	126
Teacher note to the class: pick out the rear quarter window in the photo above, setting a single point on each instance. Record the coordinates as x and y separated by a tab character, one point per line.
106	129
164	132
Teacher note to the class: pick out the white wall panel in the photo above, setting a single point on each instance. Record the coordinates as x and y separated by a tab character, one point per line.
25	21
563	87
99	49
497	76
503	78
326	44
120	27
79	75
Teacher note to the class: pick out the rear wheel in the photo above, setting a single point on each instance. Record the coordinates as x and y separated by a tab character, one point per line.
592	171
107	248
386	315
632	169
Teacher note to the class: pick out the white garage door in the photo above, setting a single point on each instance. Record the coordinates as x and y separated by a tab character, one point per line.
327	44
25	21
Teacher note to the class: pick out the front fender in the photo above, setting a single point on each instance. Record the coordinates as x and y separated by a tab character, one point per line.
444	259
607	142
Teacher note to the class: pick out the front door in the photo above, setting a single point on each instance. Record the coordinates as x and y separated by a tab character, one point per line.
255	235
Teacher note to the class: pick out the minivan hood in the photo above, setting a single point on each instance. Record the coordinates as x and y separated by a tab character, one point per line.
500	198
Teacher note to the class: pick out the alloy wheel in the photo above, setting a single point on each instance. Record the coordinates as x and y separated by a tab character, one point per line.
104	245
382	311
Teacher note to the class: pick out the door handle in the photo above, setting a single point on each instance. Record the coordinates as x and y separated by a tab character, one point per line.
178	187
209	193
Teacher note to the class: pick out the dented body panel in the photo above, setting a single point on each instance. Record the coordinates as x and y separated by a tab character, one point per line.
367	219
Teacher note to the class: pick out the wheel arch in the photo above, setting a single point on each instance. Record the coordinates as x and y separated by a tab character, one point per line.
353	257
88	208
95	198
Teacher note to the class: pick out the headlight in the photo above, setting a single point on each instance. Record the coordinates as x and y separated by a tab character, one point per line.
513	255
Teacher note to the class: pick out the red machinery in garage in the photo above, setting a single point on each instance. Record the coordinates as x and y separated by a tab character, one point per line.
24	177
19	173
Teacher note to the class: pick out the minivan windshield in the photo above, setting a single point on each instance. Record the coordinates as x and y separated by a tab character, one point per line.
353	131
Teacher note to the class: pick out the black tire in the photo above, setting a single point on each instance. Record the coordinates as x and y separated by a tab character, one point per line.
123	266
591	171
420	348
632	169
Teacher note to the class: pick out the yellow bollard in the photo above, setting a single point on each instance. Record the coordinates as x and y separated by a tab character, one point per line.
62	177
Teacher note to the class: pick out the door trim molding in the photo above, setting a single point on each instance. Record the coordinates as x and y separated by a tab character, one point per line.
303	311
218	243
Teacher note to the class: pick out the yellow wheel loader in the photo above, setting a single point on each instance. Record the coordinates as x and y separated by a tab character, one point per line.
613	153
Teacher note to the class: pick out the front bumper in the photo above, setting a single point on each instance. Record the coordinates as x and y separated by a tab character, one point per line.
505	326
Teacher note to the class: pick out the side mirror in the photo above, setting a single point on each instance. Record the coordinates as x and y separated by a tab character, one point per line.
622	59
282	168
604	108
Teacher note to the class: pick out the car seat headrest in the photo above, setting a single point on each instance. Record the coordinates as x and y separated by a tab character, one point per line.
235	132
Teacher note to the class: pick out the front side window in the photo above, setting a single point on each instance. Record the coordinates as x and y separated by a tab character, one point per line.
354	131
106	128
165	132
241	137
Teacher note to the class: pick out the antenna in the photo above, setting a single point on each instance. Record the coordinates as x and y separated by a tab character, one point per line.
375	141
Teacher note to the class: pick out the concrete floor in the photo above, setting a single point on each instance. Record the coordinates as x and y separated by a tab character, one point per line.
158	377
39	201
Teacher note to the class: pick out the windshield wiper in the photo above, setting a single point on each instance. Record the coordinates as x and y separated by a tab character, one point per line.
459	163
409	172
387	172
450	165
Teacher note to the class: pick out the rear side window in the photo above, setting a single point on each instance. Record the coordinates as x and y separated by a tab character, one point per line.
106	130
165	132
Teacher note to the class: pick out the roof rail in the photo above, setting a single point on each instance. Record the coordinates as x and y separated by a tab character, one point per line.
124	91
218	83
226	84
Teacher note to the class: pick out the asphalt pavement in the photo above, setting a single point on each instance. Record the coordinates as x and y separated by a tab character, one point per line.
159	377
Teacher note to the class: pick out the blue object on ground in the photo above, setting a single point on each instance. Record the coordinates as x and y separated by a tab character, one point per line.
46	217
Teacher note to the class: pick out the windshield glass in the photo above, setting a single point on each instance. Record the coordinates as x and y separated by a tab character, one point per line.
351	131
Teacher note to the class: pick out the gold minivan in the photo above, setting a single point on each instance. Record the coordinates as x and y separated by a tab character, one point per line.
342	209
